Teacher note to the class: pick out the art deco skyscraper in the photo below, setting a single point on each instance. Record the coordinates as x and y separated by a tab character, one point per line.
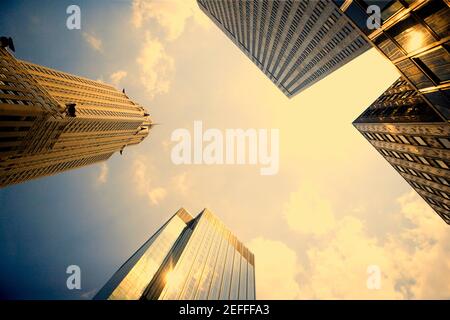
187	258
51	121
294	42
414	139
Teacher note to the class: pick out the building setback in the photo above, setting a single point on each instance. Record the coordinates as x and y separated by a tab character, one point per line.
51	121
189	259
414	139
294	42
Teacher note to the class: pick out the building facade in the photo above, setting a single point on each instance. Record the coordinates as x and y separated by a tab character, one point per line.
188	259
409	123
415	36
51	121
414	139
294	42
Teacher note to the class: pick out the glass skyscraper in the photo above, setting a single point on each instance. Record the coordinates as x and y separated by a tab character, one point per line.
294	42
187	258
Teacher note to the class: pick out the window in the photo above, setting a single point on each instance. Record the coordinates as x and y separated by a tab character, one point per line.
420	141
396	154
404	140
436	64
445	142
443	181
423	160
390	137
410	34
408	157
446	196
435	13
442	164
427	176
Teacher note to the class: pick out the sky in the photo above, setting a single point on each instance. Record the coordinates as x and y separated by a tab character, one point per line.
334	209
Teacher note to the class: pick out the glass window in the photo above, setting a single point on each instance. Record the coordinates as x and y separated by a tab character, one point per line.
410	35
445	142
420	141
243	280
403	138
441	100
442	164
225	289
436	64
390	137
427	176
234	291
436	15
218	272
251	283
413	73
408	157
423	160
388	47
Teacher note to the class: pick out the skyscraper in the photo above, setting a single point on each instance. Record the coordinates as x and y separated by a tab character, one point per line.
294	42
51	121
414	139
187	258
415	36
408	124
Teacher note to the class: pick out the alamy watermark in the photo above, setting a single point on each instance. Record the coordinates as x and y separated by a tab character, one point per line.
231	146
374	20
73	21
374	277
74	280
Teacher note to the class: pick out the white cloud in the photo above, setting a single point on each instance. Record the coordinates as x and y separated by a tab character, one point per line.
93	41
156	195
276	269
103	174
414	262
171	15
308	212
156	67
142	180
180	183
117	76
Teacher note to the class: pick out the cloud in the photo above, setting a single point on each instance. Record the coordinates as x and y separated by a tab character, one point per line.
156	195
276	269
103	174
117	76
414	262
180	183
142	178
93	41
308	212
171	15
156	66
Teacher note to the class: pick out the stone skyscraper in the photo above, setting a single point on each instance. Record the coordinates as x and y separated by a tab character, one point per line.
409	123
414	139
189	259
51	121
294	42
